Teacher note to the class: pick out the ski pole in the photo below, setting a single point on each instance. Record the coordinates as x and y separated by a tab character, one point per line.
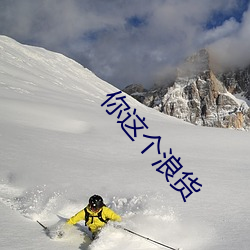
146	238
45	228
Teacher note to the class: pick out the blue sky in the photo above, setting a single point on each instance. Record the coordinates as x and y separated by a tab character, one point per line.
131	41
218	17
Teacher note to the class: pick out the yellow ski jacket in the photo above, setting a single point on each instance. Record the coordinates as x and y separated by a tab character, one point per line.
94	223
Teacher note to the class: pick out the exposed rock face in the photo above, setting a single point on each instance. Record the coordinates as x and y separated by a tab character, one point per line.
237	81
198	96
136	90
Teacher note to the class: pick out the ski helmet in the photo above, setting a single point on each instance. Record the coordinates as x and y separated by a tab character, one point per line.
95	202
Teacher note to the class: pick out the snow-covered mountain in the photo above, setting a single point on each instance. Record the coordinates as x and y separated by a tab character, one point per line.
201	95
237	81
58	146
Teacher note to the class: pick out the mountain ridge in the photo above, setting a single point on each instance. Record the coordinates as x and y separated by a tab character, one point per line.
201	95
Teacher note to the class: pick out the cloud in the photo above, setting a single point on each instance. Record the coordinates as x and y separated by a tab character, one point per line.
125	42
228	28
233	49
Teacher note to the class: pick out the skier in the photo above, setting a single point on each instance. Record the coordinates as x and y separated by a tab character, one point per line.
95	214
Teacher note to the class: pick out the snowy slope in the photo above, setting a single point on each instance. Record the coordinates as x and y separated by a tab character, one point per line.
59	146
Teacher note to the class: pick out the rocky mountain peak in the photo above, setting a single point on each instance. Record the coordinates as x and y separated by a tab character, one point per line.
196	64
200	96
